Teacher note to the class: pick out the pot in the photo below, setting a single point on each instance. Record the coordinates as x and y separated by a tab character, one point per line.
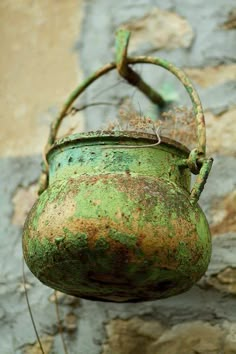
117	220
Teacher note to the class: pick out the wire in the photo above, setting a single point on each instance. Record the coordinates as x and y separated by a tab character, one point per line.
74	110
108	88
59	323
29	308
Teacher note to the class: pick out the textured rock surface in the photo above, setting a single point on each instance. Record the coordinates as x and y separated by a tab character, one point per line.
173	30
225	280
47	343
151	337
221	132
212	75
224	214
23	201
45	46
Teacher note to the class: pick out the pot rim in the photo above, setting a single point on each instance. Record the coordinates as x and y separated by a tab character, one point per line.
105	136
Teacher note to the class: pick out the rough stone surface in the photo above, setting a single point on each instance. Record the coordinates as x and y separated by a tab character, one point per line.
212	75
23	201
173	30
151	337
224	214
224	280
221	133
47	343
121	335
45	46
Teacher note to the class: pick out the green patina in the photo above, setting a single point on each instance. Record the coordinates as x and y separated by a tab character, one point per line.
37	252
59	239
72	161
109	198
125	239
49	196
79	240
46	249
145	273
184	254
102	244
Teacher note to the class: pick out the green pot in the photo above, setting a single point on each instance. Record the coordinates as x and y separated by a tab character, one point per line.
117	220
117	223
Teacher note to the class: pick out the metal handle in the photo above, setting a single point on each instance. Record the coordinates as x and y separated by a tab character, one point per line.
122	62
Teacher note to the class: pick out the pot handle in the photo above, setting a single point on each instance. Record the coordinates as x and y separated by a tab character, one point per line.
122	62
196	157
201	180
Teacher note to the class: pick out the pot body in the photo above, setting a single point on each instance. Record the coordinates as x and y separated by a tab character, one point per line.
116	223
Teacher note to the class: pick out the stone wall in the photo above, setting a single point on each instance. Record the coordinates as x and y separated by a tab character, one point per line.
47	47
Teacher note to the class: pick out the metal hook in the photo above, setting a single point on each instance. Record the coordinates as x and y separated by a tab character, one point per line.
133	78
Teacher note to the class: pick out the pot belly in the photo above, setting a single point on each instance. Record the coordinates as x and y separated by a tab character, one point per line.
117	238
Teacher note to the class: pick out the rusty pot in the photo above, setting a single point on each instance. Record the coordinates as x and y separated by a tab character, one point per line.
117	223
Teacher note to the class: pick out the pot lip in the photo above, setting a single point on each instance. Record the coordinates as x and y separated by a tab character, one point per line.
104	136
